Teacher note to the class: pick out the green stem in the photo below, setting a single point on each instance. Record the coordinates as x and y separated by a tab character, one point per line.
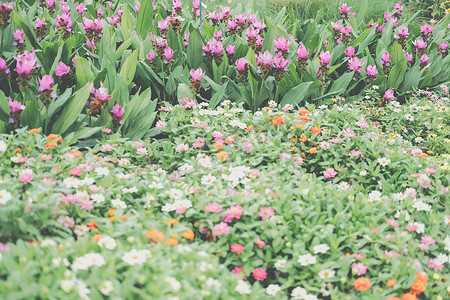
164	80
260	96
1	45
276	93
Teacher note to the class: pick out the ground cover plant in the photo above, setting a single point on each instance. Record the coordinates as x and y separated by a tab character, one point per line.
98	64
337	202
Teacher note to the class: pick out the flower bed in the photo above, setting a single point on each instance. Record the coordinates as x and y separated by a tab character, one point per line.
345	201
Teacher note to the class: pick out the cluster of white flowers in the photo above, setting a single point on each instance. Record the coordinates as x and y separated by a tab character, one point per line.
243	287
74	284
101	171
72	182
175	285
300	293
185	169
117	203
238	175
5	196
204	160
176	205
107	242
208	179
238	123
136	257
88	260
307	259
374	196
421	206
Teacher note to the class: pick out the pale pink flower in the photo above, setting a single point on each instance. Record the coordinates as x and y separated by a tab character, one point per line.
329	173
213	207
266	212
221	228
359	268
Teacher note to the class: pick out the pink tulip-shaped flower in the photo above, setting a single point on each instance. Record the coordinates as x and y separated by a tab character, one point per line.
371	73
168	55
46	83
325	57
196	79
61	69
389	95
350	51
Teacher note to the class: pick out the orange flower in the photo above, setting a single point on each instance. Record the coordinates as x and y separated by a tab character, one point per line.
278	120
293	140
361	284
171	222
124	217
409	296
422	276
60	141
188	234
391	282
96	156
304	118
92	225
417	288
423	155
172	242
302	138
52	136
393	298
111	211
298	125
316	129
250	128
155	235
313	150
293	149
229	140
261	130
50	145
303	111
76	153
223	155
34	130
218	145
96	237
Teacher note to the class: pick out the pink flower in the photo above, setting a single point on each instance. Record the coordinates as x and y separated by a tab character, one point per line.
118	111
443	46
259	274
239	269
362	123
389	95
426	29
420	43
302	52
265	59
424	59
25	63
168	55
230	49
280	63
329	173
430	170
428	240
266	212
403	31
386	57
66	221
237	248
26	176
371	70
151	56
359	268
398	7
221	228
213	207
15	106
234	212
61	69
241	64
424	181
325	57
197	75
75	172
259	242
282	44
163	25
355	64
46	83
344	9
435	264
392	222
252	33
350	51
218	35
354	153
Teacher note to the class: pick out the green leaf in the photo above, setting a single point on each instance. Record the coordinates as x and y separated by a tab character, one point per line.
71	112
296	95
397	74
84	72
127	23
4	109
412	79
58	103
83	133
145	18
122	48
129	67
31	116
218	96
184	91
194	49
341	83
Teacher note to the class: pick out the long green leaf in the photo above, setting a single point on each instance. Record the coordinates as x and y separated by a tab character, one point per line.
397	74
83	71
341	83
296	95
128	69
145	18
71	112
194	49
218	96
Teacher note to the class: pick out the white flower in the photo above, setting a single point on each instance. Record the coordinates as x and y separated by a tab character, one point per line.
418	139
310	297
186	168
182	204
95	259
156	185
48	243
211	282
409	117
374	196
3	146
141	151
384	161
208	179
107	242
117	203
306	259
447	243
327	273
273	289
101	171
322	248
363	173
5	196
135	257
281	263
343	186
72	182
375	87
243	287
421	206
106	288
88	181
204	266
168	207
67	285
173	282
443	258
175	194
98	198
181	147
88	260
298	293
